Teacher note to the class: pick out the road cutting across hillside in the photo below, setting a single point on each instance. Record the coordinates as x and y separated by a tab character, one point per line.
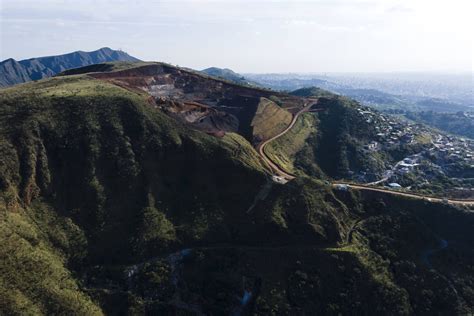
467	202
281	176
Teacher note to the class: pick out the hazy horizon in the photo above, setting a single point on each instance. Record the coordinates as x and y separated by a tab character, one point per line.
341	36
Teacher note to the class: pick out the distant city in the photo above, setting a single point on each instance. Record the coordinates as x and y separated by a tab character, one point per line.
402	91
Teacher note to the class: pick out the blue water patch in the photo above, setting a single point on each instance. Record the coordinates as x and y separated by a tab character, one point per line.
425	255
185	252
246	298
443	243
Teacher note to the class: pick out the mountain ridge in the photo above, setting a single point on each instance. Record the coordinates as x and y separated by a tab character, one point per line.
228	74
13	72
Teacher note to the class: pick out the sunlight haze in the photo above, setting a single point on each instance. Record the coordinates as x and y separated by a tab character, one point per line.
250	36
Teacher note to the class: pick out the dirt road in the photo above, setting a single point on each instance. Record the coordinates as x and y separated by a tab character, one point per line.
283	176
411	195
261	147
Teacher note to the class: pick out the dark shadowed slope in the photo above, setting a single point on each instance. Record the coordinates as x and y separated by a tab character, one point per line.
109	205
14	72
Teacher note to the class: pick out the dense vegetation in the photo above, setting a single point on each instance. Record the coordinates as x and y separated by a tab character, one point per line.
108	206
283	150
98	156
336	144
456	123
343	133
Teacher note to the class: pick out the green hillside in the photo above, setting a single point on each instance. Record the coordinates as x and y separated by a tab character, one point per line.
110	206
337	146
329	143
456	123
98	157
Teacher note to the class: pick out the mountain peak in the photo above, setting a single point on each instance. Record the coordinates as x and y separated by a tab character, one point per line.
106	49
43	67
9	60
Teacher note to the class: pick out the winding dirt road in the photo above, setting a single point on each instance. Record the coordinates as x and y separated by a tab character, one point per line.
283	176
261	147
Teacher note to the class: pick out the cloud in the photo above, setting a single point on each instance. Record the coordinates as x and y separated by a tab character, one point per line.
60	23
275	33
311	24
400	8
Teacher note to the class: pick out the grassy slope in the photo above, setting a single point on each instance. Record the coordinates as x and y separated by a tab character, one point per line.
104	67
94	180
116	182
34	278
62	140
328	144
269	119
284	149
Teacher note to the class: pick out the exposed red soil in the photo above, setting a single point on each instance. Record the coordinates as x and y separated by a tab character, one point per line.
209	104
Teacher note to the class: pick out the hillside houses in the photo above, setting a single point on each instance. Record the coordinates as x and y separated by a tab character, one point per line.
437	157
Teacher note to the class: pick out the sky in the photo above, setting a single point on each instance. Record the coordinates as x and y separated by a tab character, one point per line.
258	36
